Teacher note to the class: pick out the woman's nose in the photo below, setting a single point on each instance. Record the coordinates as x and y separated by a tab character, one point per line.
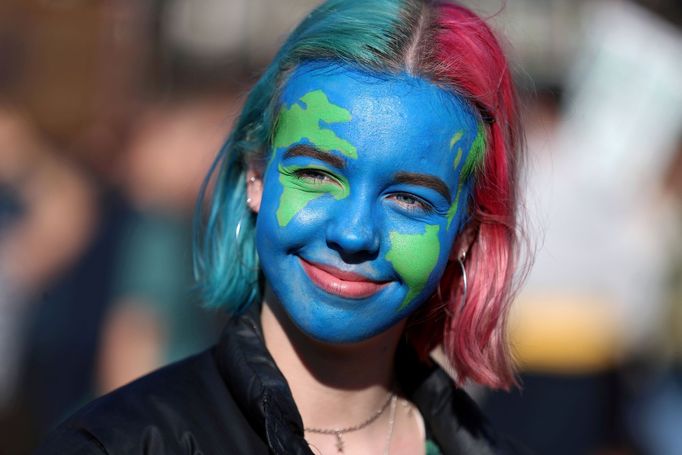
353	230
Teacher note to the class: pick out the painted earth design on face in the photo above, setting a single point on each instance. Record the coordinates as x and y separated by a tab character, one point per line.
298	192
455	139
414	256
296	123
458	158
373	189
476	153
474	157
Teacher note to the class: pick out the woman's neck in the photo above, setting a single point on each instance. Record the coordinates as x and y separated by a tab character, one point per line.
333	386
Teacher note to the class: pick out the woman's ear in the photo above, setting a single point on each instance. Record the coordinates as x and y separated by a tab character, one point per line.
254	188
463	242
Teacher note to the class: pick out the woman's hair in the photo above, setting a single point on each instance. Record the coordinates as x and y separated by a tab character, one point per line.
441	42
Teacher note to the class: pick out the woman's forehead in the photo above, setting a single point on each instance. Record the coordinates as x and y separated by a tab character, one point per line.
357	114
369	94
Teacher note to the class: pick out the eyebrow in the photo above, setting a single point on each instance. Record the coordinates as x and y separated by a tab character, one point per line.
312	152
428	181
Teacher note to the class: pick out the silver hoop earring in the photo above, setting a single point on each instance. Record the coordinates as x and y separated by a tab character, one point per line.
464	278
248	200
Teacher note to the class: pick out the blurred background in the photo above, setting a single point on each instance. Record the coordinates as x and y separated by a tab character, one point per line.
111	112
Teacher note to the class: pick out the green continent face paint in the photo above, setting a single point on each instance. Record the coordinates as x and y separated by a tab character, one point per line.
296	123
455	205
474	159
414	257
476	153
455	139
458	158
300	187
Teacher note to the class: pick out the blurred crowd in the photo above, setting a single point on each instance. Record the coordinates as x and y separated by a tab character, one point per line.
111	113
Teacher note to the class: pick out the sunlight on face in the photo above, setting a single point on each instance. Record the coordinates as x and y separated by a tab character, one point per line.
363	197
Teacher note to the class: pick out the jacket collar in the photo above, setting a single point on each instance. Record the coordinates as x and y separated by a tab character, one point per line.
261	391
258	387
450	415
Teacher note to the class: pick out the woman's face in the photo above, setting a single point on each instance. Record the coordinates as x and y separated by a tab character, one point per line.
362	197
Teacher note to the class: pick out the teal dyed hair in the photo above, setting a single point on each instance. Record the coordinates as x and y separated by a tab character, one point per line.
373	35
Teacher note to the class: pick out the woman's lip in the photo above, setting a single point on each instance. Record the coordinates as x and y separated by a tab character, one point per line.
344	284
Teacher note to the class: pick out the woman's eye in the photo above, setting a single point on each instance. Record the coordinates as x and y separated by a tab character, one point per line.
314	176
412	203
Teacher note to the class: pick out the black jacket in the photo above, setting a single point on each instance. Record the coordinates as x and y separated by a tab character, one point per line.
232	399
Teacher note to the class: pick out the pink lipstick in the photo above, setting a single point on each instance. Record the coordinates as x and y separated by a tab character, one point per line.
348	285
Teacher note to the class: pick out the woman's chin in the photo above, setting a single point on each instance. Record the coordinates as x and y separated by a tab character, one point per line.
331	326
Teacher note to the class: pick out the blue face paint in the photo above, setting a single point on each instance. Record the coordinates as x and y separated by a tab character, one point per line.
362	199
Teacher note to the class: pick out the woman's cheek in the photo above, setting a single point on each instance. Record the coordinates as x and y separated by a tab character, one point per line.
292	201
294	198
414	257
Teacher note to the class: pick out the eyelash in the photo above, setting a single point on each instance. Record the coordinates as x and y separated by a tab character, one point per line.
417	204
314	176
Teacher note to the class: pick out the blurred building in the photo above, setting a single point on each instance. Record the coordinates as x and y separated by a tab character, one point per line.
111	94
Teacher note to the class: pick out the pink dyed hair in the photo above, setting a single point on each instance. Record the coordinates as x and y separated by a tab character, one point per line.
466	56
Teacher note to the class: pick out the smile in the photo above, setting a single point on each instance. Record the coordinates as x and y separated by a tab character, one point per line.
348	285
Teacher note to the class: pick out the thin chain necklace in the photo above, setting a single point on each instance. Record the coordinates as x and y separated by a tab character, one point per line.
391	424
337	432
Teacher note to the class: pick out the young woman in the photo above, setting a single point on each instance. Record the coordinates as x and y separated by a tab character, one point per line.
363	213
